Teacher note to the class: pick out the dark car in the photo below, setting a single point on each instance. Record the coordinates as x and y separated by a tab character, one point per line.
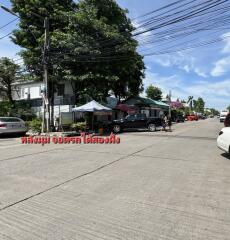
179	118
136	121
203	117
227	121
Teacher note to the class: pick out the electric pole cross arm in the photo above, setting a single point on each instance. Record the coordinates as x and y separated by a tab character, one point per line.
8	10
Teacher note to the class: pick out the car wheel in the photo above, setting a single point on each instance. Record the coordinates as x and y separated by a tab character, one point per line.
152	127
116	128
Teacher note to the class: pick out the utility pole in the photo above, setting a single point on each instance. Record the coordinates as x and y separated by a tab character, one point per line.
46	104
169	102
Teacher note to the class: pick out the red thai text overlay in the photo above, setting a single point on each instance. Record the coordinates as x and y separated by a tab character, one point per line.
83	139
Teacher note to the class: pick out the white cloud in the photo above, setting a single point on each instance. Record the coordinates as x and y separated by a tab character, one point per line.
226	38
210	90
200	72
183	61
173	83
222	66
139	28
215	94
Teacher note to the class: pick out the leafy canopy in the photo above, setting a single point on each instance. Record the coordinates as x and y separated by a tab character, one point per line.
8	76
199	105
91	45
154	93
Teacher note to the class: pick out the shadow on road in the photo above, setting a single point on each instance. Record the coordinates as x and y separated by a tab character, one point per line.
9	136
226	155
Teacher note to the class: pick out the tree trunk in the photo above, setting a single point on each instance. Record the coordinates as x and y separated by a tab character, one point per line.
9	95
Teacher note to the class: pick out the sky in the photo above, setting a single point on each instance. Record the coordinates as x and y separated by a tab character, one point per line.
201	72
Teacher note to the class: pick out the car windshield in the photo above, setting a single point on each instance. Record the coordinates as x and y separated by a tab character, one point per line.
10	120
130	117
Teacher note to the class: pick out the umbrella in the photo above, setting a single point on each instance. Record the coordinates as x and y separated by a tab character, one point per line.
92	106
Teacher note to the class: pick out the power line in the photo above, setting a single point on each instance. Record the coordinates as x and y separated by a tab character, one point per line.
6	35
206	22
8	23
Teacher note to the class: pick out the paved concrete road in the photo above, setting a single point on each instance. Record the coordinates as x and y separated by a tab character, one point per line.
151	186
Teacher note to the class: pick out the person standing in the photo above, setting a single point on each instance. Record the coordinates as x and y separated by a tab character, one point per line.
170	123
163	123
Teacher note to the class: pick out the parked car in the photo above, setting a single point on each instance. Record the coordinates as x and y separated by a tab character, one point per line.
12	125
223	140
227	121
203	117
136	121
179	118
192	117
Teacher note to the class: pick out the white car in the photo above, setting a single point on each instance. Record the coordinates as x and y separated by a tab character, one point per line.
223	140
12	125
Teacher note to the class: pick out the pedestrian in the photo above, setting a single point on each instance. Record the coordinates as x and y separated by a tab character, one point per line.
170	123
163	123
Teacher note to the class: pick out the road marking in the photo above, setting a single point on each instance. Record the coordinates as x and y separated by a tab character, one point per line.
75	178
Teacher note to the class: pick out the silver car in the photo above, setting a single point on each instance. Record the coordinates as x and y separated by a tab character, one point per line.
12	125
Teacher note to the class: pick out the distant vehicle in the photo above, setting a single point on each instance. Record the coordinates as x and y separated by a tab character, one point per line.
136	121
223	140
192	117
179	118
12	125
211	116
223	115
227	121
202	117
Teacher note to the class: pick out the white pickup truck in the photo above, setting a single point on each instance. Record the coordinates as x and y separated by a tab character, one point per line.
223	115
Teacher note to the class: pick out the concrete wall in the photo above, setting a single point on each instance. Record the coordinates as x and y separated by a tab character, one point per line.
57	110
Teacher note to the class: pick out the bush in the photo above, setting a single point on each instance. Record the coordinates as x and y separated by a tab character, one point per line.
5	107
22	109
79	126
35	125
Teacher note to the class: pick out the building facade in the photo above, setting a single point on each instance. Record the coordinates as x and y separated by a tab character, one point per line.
32	92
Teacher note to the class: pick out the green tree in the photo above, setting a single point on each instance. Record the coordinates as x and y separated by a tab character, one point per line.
5	108
91	45
213	111
154	92
199	105
228	108
8	76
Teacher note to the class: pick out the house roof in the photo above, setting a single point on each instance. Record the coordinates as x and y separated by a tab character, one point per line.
134	101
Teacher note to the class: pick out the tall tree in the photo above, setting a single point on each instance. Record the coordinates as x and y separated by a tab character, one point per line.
154	93
199	105
8	76
91	45
228	108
